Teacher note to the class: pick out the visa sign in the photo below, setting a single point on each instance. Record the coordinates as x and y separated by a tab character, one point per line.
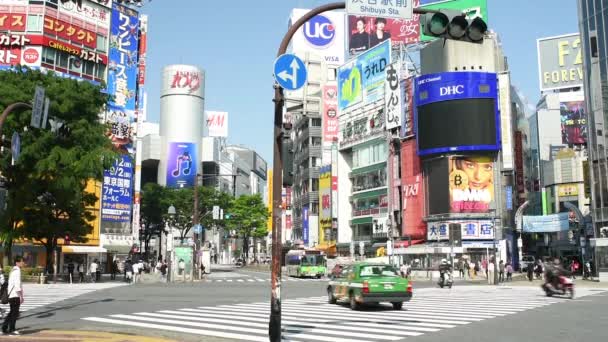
319	31
451	90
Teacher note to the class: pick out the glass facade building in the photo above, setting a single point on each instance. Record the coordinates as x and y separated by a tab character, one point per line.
593	19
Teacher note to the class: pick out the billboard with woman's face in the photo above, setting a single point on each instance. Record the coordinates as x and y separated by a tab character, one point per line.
471	184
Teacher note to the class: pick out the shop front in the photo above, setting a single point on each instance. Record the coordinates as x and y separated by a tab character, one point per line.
82	255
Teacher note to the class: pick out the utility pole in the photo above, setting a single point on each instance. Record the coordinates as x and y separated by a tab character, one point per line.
195	222
274	325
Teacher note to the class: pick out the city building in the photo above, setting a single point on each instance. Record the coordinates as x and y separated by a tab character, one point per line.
593	18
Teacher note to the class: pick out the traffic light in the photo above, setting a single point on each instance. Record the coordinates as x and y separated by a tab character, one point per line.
453	24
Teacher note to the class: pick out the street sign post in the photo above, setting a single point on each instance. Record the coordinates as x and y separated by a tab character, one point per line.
198	228
47	103
290	72
37	107
216	212
399	9
15	147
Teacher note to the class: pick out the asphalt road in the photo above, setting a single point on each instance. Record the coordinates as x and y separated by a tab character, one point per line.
580	319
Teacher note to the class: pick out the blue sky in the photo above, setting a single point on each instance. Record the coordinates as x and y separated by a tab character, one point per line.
236	43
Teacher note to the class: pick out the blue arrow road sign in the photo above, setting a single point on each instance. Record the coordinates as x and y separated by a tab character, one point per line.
290	72
198	228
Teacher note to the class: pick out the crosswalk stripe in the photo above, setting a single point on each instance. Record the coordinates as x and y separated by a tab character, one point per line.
313	319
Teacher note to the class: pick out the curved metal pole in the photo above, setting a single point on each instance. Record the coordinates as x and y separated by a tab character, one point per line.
274	325
9	109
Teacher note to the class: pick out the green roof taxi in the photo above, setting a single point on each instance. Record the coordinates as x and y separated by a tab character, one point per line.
363	282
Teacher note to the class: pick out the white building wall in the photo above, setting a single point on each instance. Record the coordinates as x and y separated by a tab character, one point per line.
345	233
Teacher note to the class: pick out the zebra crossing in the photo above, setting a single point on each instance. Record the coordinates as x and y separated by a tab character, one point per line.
36	295
260	280
313	319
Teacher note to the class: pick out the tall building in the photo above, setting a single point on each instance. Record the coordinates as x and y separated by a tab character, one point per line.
593	18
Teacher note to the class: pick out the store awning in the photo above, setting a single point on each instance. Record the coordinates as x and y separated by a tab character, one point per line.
329	249
118	249
82	249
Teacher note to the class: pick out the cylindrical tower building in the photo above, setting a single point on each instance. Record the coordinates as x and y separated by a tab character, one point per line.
182	107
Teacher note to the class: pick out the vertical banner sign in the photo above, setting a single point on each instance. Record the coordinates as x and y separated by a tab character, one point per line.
305	232
574	122
519	166
412	185
330	113
216	124
509	197
504	96
116	192
373	64
392	98
122	75
325	200
407	117
181	165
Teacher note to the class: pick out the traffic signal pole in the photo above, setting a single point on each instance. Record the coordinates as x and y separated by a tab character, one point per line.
274	325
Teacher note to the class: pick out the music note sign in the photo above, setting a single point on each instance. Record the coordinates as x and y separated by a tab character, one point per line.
181	164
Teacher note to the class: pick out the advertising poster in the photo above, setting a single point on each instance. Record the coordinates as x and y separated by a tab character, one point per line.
471	184
330	113
117	191
325	200
350	84
407	95
305	226
393	102
504	92
365	32
12	21
216	124
122	74
546	224
185	254
181	165
322	36
413	196
574	122
473	9
560	62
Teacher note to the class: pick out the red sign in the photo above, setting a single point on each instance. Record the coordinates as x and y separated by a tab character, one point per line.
413	199
31	55
519	163
10	56
189	80
70	32
330	113
287	221
12	22
141	74
13	40
81	53
334	183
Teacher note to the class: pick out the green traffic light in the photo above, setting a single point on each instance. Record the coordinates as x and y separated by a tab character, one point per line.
439	23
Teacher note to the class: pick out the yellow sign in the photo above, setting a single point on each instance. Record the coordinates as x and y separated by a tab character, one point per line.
570	189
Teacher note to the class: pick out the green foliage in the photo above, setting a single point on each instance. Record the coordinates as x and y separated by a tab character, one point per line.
46	186
248	217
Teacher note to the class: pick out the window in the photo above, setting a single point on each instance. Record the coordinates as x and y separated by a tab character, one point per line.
101	71
63	59
102	43
89	68
316	141
315	122
315	184
314	208
75	64
331	74
34	23
315	162
593	43
48	55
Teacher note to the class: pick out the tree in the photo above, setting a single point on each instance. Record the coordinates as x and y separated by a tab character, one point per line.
153	211
46	187
248	217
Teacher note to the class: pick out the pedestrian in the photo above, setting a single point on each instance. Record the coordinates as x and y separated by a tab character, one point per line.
477	268
472	270
3	290
574	266
163	269
114	268
15	297
501	271
128	271
93	270
461	268
484	266
509	269
587	271
490	272
215	258
467	269
202	270
181	267
80	270
135	270
530	272
71	271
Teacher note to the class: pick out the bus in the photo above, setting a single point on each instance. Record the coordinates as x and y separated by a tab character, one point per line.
306	263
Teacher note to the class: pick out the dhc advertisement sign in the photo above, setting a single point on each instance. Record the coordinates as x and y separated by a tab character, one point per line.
457	111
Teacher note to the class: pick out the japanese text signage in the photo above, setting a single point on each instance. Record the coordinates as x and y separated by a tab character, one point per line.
117	191
365	32
181	164
88	11
122	73
546	224
12	22
70	32
471	230
437	231
392	98
305	226
413	197
407	97
324	200
362	79
560	62
400	9
186	81
330	113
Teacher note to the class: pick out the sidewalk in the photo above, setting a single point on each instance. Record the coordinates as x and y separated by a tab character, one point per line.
80	336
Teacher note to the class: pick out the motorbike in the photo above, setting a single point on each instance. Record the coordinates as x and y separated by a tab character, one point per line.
447	280
565	287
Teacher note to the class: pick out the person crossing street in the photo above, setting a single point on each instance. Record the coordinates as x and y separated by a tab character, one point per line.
15	298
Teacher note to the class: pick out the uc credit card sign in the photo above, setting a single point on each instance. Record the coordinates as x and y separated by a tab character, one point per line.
181	164
454	86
